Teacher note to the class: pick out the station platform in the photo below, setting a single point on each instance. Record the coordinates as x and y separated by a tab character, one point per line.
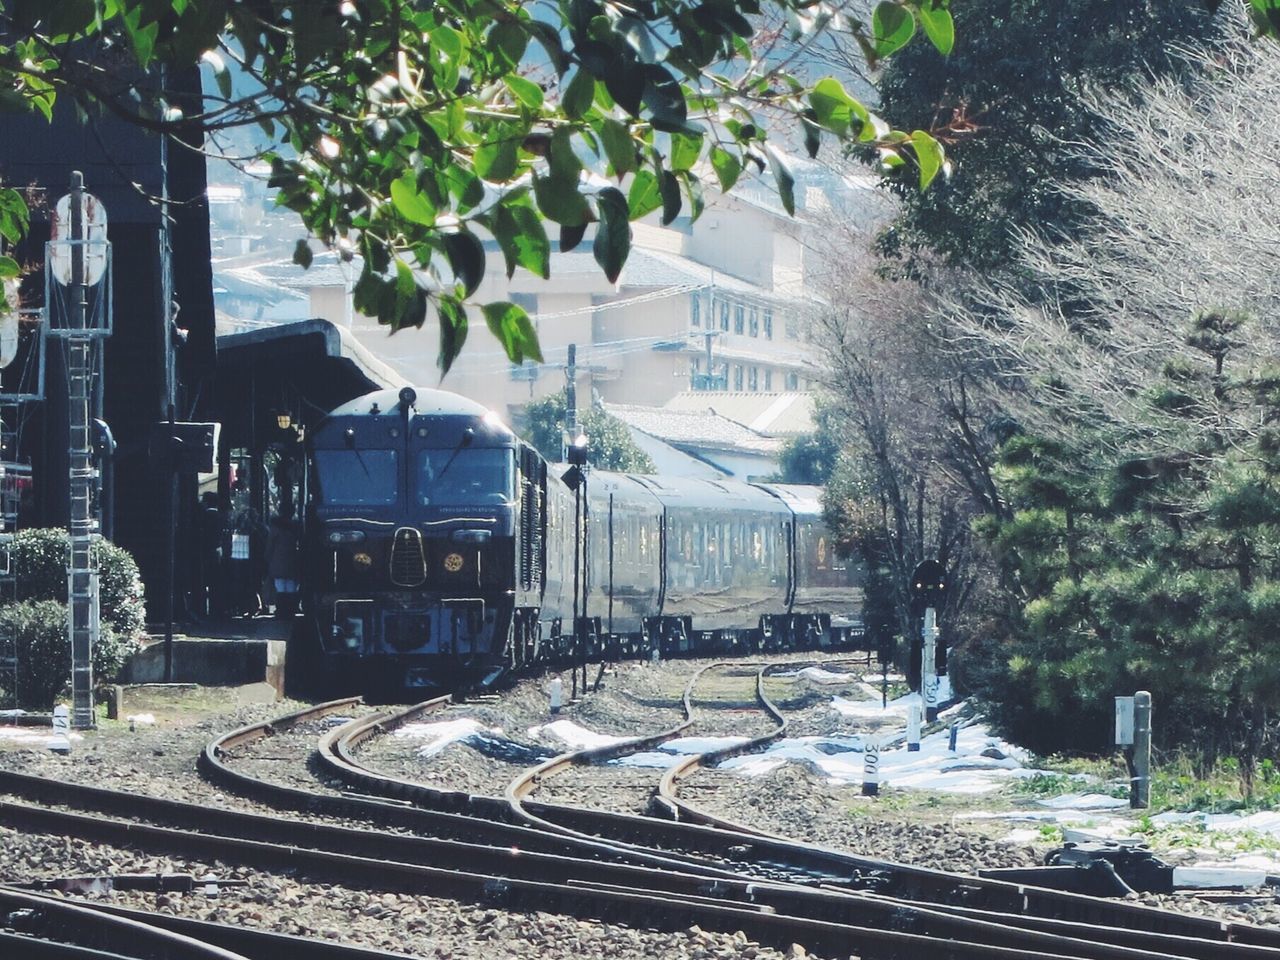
219	653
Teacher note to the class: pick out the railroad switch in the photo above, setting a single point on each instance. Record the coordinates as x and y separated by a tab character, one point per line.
1101	869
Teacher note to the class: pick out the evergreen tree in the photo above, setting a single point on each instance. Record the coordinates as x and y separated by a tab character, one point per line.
609	443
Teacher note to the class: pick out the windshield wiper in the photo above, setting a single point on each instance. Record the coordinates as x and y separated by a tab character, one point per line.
464	442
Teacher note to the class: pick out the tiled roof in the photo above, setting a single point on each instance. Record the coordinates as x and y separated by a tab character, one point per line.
770	414
694	429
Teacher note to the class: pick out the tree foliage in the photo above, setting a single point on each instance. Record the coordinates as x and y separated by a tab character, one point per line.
812	457
1121	387
610	446
1009	103
406	133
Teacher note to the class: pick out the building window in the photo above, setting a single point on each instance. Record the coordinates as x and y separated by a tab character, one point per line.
695	310
768	324
753	379
754	328
695	372
724	315
792	330
737	376
739	319
793	381
768	381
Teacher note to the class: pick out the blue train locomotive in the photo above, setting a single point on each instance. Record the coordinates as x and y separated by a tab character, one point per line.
441	551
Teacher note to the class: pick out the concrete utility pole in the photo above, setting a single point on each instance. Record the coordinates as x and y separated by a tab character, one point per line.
571	400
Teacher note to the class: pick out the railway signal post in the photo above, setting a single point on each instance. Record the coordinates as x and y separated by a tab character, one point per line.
928	587
78	281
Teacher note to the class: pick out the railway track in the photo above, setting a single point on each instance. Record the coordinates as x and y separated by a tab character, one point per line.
34	925
472	848
1011	905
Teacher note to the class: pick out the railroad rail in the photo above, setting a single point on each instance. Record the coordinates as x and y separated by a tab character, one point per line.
1005	903
823	918
32	925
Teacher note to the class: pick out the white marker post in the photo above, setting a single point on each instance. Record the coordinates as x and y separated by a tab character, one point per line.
871	767
557	694
928	665
913	727
60	742
1140	794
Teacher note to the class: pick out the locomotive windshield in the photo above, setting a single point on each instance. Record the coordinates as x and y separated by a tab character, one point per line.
357	477
466	476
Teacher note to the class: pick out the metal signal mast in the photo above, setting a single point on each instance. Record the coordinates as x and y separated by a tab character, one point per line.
78	298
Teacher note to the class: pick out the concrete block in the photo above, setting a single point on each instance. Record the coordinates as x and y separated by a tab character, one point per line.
210	663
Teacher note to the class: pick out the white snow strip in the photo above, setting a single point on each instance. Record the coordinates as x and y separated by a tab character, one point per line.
819	675
35	736
142	719
436	736
1218	877
1084	801
572	735
871	707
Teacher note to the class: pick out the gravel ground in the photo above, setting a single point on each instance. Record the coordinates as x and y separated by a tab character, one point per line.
420	926
635	698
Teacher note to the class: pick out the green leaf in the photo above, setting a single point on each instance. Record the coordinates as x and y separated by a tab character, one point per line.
618	146
784	178
892	26
727	167
685	150
579	95
523	239
405	282
812	134
613	234
498	159
644	197
835	109
511	325
693	187
665	99
559	200
412	204
938	25
929	155
466	258
9	268
570	237
508	41
526	91
1266	16
563	161
453	332
302	254
669	188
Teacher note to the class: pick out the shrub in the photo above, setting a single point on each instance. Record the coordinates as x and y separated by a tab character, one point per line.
40	557
44	653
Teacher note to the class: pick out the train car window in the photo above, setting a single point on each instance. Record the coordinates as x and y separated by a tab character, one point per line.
466	476
357	477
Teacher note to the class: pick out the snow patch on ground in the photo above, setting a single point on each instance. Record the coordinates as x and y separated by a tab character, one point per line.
438	735
32	736
573	735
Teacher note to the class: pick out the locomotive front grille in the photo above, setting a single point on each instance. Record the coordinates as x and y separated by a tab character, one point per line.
408	560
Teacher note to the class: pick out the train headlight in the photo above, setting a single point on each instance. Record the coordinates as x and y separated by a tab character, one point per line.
346	536
362	560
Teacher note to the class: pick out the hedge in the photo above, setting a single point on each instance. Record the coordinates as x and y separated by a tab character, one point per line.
44	653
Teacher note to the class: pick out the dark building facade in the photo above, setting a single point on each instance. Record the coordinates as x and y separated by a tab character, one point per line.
162	350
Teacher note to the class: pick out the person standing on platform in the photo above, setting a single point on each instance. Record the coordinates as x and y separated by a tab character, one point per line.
283	565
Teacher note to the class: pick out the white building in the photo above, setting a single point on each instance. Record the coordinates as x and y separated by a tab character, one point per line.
720	304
